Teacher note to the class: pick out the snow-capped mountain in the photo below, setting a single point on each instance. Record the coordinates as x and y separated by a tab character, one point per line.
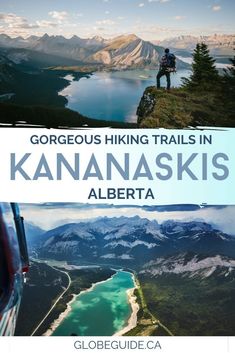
133	240
33	233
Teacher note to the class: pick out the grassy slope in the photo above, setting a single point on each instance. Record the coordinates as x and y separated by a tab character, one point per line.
179	108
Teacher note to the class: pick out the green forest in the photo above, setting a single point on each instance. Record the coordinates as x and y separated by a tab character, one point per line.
192	306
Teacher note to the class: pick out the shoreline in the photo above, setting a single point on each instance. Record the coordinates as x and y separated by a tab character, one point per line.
132	299
69	77
132	321
55	324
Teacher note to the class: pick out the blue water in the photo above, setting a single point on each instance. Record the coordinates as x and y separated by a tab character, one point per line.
102	311
113	95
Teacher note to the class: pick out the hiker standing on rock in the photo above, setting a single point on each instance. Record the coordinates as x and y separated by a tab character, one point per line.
167	66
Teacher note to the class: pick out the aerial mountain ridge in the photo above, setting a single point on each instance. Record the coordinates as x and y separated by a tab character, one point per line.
134	239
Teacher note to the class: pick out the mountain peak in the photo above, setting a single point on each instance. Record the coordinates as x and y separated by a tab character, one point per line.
98	38
3	35
19	38
45	36
75	37
32	37
127	37
59	37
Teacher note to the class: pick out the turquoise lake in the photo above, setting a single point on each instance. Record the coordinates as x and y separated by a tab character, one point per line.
102	311
114	95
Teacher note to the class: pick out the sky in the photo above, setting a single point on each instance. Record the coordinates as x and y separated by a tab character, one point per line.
149	19
49	216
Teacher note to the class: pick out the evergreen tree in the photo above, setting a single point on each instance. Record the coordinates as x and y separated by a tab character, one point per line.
228	84
230	72
204	73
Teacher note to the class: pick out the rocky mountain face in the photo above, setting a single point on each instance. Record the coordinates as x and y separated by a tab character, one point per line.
132	241
125	51
121	52
74	48
191	265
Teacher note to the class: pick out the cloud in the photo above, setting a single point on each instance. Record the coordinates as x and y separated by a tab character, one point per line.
60	16
11	20
161	1
179	18
153	32
141	4
44	23
9	17
106	22
216	8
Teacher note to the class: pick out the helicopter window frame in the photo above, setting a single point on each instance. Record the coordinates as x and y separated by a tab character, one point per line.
7	268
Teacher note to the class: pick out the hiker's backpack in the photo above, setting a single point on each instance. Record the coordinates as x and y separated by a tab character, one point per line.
168	61
171	61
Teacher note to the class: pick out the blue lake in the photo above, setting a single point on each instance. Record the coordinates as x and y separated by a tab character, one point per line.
102	311
113	95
